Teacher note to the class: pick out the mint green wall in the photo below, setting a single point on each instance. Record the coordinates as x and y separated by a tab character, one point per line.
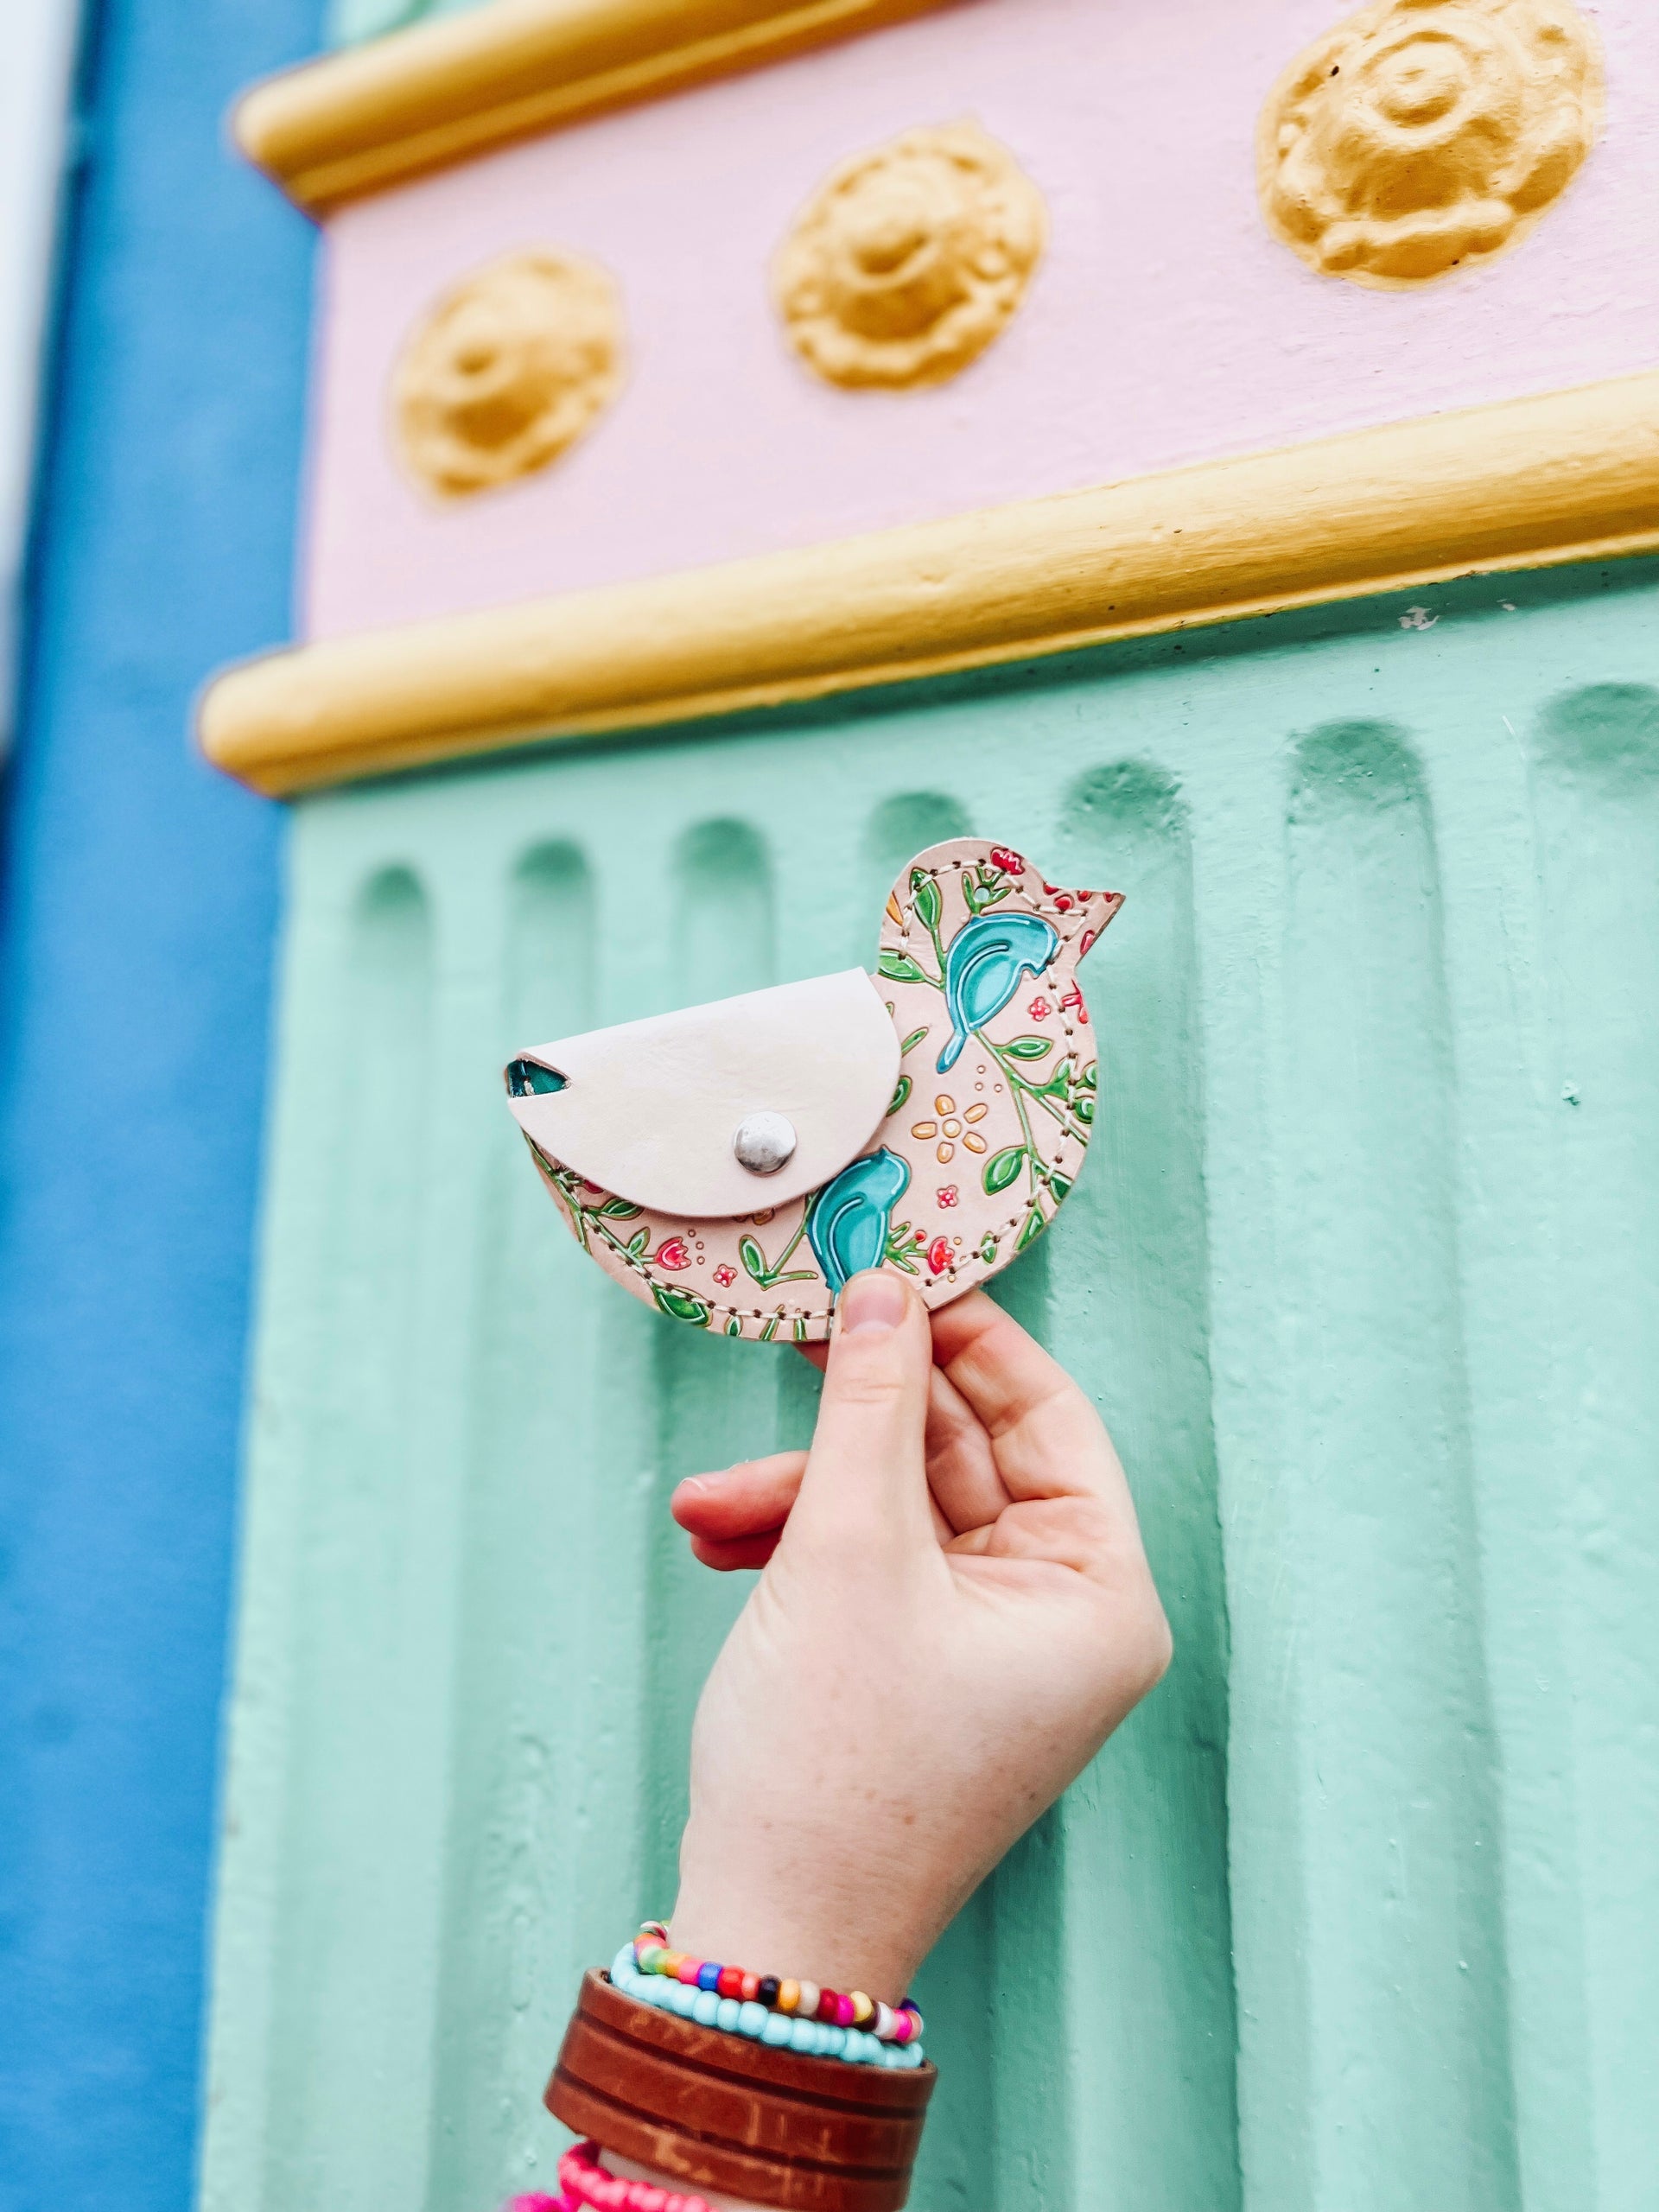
1358	1914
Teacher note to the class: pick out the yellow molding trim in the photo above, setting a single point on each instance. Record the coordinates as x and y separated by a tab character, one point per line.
1571	476
355	122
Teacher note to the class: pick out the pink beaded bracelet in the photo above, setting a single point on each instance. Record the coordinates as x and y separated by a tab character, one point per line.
897	2024
589	2187
586	2182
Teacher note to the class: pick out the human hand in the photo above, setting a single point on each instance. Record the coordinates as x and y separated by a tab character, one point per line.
955	1612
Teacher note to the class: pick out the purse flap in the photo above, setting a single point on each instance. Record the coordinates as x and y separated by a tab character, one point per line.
650	1110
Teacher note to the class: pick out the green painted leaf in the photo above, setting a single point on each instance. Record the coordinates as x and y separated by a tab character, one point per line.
1028	1048
912	1040
769	1329
620	1209
899	968
924	891
1087	1077
900	1092
753	1258
988	1248
638	1243
1034	1226
734	1326
680	1305
1084	1107
1001	1169
1059	1184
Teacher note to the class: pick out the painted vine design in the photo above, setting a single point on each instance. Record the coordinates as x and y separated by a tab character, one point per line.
593	1213
1067	1097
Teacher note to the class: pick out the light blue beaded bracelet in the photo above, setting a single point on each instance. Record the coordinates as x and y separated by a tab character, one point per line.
813	2038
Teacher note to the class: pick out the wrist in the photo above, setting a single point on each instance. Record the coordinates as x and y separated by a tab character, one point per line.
812	2116
631	2169
843	1927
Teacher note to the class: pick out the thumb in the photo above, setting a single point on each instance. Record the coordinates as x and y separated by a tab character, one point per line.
866	1477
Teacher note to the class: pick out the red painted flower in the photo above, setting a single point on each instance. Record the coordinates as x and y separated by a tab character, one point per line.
946	1194
724	1275
938	1255
1009	862
1040	1008
672	1254
1072	1003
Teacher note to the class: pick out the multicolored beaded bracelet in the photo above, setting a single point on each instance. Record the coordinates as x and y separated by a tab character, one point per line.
739	2016
586	2186
803	1999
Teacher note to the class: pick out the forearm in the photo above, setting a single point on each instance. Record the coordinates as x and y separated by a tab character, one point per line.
954	1614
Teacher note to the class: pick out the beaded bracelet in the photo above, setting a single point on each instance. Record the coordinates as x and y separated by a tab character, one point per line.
586	2186
748	2017
803	1999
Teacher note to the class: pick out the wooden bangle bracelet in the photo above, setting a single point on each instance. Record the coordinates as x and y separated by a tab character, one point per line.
715	2111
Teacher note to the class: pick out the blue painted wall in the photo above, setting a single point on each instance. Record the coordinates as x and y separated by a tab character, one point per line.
138	904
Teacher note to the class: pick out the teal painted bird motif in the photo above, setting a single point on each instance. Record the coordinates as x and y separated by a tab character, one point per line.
986	959
848	1226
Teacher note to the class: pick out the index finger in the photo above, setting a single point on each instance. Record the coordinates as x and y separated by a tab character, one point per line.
1048	1439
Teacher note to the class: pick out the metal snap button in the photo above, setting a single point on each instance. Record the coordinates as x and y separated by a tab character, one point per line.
763	1142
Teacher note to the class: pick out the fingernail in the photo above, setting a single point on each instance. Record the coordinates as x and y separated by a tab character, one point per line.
701	1485
873	1301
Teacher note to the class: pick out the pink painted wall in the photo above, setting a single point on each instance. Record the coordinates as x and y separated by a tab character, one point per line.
1164	325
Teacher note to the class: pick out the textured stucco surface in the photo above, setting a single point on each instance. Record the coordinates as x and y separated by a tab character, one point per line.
1360	1913
1165	326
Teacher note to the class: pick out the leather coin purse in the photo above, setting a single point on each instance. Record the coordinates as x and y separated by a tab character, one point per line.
733	1164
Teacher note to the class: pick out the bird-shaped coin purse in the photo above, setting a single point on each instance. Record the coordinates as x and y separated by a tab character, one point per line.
734	1163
